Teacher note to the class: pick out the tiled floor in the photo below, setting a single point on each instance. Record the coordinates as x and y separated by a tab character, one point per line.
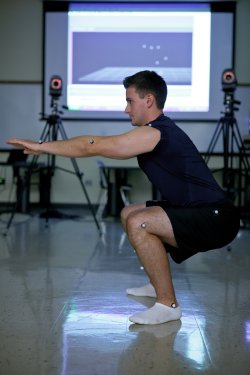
64	310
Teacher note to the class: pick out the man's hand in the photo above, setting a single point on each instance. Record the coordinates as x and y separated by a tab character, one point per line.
28	146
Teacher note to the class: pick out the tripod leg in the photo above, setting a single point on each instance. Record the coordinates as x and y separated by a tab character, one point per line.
45	133
213	141
18	199
79	175
240	145
49	133
11	217
243	160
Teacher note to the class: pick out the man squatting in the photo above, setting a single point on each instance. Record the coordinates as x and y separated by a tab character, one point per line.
194	215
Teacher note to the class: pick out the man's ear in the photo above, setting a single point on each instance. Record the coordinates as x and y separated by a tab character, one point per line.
150	100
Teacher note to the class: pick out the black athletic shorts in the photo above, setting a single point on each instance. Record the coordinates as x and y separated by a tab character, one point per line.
199	229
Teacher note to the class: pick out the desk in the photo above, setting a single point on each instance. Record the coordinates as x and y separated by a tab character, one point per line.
117	176
17	160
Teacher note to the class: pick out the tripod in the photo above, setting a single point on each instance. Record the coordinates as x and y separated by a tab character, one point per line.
53	128
228	128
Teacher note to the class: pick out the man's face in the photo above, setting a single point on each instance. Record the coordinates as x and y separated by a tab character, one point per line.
136	107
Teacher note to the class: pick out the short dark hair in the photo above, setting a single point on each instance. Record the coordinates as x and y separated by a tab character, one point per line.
146	82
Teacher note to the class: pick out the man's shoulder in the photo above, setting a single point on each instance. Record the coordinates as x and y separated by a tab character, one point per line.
162	120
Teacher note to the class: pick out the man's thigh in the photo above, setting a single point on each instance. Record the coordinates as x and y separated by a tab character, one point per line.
155	221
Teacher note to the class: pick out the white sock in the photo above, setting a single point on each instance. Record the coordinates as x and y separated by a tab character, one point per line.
157	314
143	291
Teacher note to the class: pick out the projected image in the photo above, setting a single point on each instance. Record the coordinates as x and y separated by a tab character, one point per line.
123	54
108	42
94	46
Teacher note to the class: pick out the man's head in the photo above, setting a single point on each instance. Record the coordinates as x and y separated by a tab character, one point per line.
146	94
148	82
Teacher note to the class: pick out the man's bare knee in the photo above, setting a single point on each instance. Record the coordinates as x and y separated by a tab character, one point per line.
135	221
128	210
152	221
124	212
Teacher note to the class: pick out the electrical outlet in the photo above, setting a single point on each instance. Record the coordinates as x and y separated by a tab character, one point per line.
88	182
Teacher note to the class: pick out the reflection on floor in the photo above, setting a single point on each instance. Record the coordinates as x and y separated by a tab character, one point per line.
64	309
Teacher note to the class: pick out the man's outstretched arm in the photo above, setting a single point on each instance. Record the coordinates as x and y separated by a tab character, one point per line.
123	146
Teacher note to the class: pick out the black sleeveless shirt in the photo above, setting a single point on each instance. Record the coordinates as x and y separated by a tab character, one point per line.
177	170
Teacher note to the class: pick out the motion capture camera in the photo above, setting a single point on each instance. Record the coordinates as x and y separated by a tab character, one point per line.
55	86
229	84
228	80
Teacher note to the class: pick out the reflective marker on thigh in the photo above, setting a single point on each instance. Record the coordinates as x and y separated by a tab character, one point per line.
143	225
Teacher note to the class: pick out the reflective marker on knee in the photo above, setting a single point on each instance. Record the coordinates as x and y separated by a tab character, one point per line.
143	225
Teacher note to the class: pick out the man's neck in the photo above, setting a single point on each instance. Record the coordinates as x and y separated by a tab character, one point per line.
154	116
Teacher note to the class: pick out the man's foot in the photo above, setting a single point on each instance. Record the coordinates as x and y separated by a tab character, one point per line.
143	291
157	314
